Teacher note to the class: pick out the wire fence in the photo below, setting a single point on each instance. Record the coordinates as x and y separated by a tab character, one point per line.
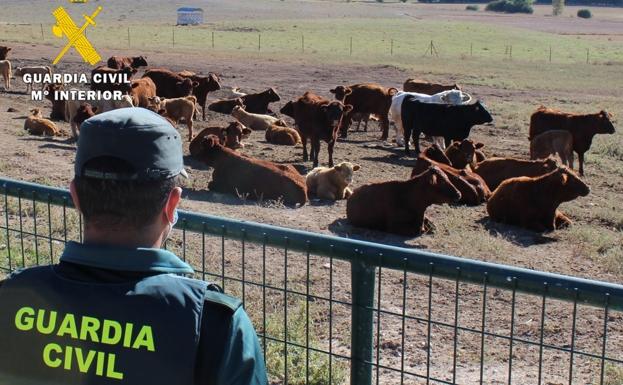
380	45
331	310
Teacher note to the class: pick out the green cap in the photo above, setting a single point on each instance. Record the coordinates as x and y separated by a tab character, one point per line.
142	138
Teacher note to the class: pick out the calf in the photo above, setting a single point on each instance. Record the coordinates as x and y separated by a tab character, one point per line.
583	127
253	103
205	84
169	84
242	175
255	122
424	87
398	206
119	62
142	91
454	97
474	190
4	52
317	119
450	121
225	106
231	135
553	142
496	170
106	75
368	98
533	203
282	135
35	124
58	106
43	70
5	70
462	154
177	109
331	182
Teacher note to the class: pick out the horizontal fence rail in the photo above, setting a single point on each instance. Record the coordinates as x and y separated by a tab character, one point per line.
332	310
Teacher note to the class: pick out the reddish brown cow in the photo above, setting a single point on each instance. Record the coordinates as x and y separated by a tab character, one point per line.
583	127
142	91
253	103
107	85
317	119
463	153
366	98
424	87
259	179
533	203
496	170
58	106
205	85
231	135
85	111
398	206
119	62
169	84
474	190
4	52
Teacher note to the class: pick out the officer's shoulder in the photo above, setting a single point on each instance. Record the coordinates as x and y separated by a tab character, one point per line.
217	298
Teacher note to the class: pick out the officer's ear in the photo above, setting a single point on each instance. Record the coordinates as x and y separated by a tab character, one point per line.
172	202
74	195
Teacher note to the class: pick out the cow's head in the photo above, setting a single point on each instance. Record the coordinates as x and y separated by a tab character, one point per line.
334	111
85	111
51	88
288	109
435	153
4	51
480	114
207	148
435	185
548	164
234	133
155	103
185	87
341	92
346	170
212	82
605	123
571	186
139	61
272	95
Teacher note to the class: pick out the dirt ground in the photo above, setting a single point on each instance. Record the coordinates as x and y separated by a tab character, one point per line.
461	231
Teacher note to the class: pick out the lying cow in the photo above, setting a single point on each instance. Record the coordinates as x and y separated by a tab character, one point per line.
398	206
533	203
246	176
253	103
120	62
424	87
256	122
463	153
583	127
331	182
282	135
35	124
99	106
496	170
449	121
231	136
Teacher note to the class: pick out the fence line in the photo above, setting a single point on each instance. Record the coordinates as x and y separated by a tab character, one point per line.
448	303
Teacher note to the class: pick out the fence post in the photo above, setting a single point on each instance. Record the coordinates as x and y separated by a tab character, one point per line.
43	37
351	46
587	55
471	49
303	43
550	53
128	37
363	285
391	49
173	35
212	39
259	42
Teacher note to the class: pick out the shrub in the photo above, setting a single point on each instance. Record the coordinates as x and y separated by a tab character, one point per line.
471	7
557	7
585	13
510	6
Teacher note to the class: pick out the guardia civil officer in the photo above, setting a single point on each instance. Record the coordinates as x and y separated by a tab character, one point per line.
115	309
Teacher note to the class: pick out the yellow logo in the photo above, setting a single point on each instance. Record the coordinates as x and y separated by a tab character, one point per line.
66	26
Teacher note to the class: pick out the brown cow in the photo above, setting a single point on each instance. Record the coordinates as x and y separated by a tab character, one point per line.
496	170
533	203
106	74
424	87
4	52
58	106
583	127
398	206
119	62
205	85
253	103
259	179
231	135
474	190
35	124
318	119
463	153
368	98
85	111
169	84
551	143
142	91
282	135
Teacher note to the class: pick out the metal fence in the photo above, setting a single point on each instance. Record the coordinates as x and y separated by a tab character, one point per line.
332	310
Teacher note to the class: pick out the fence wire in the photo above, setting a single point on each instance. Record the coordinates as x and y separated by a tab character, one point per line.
334	311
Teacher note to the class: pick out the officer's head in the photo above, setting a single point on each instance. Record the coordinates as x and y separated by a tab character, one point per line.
128	165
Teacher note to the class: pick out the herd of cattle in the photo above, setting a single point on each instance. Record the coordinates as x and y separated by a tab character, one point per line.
454	169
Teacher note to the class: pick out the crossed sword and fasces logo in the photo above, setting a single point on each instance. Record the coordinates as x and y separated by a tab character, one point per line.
66	26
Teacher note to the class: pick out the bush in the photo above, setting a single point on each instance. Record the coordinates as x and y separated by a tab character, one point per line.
471	8
557	7
585	13
510	6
